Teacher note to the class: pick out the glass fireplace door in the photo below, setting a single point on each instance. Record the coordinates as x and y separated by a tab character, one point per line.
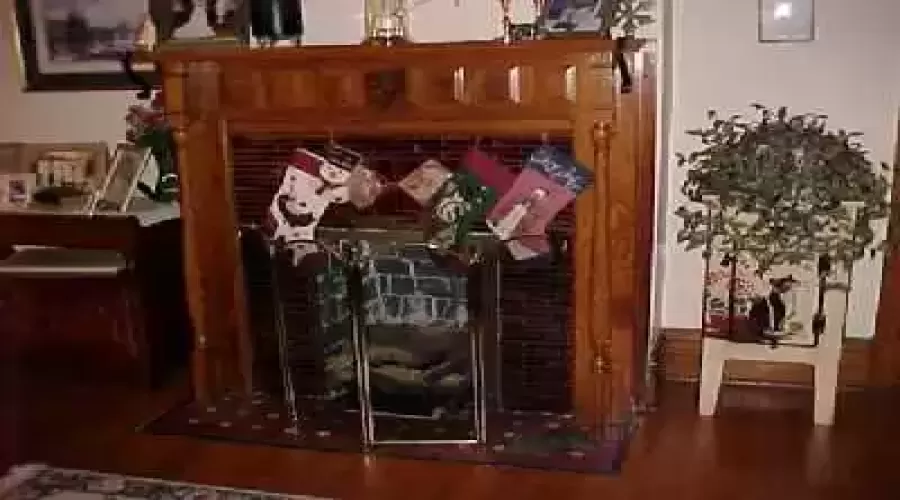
421	374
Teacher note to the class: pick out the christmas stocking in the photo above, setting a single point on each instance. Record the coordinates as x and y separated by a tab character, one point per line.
528	207
550	181
334	178
489	172
364	187
297	207
528	247
561	169
423	183
460	202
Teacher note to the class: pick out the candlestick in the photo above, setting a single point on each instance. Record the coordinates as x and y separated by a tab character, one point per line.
507	21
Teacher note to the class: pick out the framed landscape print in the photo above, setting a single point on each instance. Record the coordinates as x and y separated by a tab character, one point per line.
78	44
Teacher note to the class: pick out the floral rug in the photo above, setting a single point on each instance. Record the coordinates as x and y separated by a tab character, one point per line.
39	482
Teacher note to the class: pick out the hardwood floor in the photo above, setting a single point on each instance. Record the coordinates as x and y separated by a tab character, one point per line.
770	454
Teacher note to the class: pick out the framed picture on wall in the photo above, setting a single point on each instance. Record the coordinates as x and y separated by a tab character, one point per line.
787	21
69	45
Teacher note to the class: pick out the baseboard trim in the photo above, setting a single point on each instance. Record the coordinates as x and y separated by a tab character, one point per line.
678	360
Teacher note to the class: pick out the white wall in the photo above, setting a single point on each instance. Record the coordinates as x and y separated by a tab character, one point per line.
851	72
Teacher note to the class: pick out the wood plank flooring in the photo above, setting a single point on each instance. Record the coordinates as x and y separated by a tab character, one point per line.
767	454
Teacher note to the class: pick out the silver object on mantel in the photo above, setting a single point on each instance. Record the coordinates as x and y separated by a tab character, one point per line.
386	22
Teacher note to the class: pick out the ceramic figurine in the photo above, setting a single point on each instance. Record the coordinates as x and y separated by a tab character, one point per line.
197	25
146	35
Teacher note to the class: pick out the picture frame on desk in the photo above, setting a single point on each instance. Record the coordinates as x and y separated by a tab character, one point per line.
70	45
119	185
16	190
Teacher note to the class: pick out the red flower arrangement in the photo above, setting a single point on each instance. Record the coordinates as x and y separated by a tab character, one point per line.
146	126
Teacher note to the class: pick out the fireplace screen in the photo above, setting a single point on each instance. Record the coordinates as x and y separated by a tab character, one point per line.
408	351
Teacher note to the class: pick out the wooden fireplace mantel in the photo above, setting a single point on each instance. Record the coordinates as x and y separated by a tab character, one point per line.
568	88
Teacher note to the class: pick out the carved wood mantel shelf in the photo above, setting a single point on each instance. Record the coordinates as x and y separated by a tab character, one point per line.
563	88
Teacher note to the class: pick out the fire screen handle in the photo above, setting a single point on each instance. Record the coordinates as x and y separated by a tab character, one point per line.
354	259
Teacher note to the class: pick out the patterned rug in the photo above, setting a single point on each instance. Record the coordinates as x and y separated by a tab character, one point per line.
39	482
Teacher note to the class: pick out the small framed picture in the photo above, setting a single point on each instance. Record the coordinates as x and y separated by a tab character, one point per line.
64	168
786	21
121	180
16	189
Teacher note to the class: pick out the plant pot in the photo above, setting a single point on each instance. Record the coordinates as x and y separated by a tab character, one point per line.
782	306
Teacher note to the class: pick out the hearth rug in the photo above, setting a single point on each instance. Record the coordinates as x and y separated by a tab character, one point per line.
41	482
542	440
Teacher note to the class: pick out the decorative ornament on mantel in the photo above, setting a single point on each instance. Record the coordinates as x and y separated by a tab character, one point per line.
386	22
606	18
274	20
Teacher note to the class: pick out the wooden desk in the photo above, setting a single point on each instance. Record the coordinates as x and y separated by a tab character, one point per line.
150	240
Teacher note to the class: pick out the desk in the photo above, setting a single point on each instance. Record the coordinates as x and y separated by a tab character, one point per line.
149	237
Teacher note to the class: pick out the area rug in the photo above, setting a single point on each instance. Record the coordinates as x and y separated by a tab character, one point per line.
539	440
41	482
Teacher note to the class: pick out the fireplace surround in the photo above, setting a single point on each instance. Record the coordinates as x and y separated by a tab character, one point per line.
571	327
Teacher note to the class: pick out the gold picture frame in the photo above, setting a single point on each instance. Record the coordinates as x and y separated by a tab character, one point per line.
127	167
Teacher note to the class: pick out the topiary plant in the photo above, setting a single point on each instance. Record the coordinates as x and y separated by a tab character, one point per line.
784	187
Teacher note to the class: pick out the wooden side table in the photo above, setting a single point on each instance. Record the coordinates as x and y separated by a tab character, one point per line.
149	239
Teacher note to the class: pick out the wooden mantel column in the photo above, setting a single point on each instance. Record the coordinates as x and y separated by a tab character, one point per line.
221	354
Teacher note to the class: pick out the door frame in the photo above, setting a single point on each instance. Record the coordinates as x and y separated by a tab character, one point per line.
885	361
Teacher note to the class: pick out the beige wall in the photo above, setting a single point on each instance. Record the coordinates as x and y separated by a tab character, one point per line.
46	117
851	72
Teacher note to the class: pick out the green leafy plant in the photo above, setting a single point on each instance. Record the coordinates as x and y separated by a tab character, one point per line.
781	187
627	15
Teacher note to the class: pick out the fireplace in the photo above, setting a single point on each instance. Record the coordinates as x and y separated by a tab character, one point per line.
491	361
448	344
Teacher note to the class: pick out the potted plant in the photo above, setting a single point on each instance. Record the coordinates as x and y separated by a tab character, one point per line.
781	205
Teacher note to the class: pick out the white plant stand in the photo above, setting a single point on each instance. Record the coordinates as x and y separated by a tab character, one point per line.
825	358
